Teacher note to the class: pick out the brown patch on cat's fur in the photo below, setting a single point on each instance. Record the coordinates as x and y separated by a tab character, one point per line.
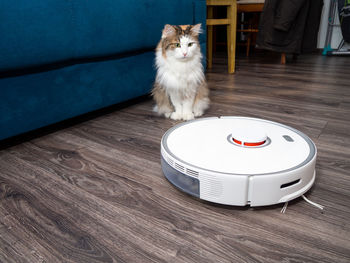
168	43
186	30
202	92
184	27
162	99
201	101
169	39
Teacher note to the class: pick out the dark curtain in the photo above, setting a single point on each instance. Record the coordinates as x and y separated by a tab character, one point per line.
290	26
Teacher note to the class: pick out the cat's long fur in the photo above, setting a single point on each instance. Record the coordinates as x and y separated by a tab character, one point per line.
180	90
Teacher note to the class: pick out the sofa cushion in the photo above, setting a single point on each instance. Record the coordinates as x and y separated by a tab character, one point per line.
48	31
73	90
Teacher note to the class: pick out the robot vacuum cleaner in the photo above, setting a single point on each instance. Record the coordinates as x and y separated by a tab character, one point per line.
238	161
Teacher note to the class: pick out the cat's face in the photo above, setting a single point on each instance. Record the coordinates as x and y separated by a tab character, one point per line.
180	42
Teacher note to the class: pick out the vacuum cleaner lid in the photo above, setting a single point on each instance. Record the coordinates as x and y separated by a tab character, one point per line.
239	145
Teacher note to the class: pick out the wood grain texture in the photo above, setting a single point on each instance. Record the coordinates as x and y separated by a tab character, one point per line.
231	22
94	192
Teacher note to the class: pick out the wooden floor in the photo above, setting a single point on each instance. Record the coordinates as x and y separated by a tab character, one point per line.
95	192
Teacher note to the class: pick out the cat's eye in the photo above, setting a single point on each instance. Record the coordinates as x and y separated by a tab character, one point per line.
177	45
190	44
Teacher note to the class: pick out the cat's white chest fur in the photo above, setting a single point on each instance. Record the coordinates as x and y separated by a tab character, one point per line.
179	75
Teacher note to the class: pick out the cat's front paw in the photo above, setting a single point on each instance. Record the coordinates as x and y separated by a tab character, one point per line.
198	113
188	116
167	114
176	116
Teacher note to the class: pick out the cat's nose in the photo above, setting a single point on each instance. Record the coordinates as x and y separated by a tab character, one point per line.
185	54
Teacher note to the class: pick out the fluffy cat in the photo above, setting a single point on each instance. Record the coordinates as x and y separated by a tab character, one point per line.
180	90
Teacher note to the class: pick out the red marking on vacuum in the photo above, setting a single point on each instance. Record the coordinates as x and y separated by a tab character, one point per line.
249	143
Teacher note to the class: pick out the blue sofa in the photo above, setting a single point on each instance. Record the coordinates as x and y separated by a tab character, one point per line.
63	58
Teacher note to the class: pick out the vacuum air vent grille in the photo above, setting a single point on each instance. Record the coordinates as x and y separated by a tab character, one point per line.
192	173
167	158
179	167
171	162
211	188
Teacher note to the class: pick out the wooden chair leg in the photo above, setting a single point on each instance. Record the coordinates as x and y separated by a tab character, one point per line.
283	58
249	39
210	40
210	46
231	36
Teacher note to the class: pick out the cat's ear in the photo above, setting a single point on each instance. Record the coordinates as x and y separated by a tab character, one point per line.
168	31
196	30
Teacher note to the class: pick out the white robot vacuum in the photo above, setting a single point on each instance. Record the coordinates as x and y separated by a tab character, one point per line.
238	161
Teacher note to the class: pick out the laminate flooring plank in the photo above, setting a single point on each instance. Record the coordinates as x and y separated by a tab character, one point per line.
181	226
58	216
